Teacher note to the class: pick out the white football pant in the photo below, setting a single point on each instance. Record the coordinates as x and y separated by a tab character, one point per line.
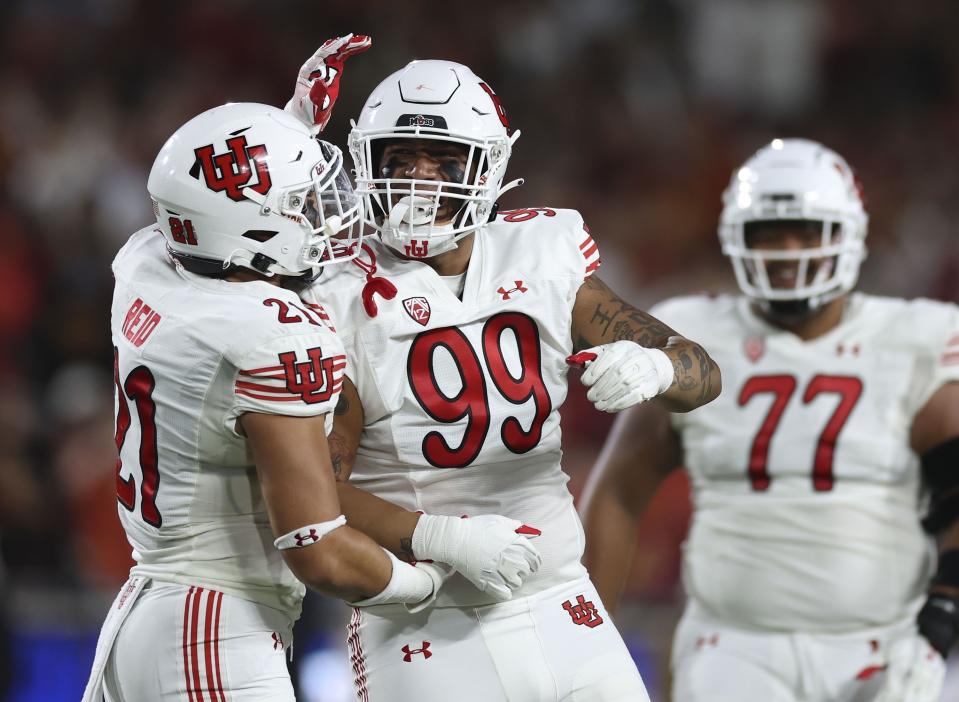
179	643
558	645
714	662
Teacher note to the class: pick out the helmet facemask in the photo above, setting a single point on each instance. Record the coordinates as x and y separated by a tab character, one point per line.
326	208
435	213
825	267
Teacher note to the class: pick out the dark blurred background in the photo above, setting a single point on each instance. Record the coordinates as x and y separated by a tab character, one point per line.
632	111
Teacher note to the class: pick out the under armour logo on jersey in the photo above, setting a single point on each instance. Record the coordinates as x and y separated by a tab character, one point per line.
277	642
408	653
703	641
306	539
583	612
312	380
842	350
518	289
416	249
231	171
418	308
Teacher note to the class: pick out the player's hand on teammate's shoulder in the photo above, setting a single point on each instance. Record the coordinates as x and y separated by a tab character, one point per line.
318	82
492	552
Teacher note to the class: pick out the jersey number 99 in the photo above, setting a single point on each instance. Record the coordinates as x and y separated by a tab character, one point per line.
472	399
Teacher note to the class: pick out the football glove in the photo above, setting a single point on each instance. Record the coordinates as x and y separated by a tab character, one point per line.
318	82
623	374
915	672
492	552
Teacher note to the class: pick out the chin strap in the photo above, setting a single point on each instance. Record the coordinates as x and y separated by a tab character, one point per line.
375	285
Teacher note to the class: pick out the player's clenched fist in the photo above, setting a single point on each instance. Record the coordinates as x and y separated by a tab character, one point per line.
492	552
623	374
318	82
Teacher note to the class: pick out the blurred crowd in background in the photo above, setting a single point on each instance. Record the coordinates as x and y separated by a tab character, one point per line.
632	111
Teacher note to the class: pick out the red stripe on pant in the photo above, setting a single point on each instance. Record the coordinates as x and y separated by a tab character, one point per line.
186	659
208	644
356	656
194	656
216	647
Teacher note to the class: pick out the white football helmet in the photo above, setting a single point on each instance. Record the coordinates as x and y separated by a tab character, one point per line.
443	101
796	179
246	184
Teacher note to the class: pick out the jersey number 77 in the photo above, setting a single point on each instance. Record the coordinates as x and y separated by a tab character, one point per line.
782	387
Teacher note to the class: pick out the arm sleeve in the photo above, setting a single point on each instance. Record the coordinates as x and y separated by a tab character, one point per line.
938	362
295	375
589	251
585	259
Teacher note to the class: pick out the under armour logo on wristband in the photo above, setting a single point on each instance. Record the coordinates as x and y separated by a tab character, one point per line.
277	642
408	653
306	539
583	612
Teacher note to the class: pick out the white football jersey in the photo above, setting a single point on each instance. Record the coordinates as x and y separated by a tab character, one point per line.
461	396
807	494
191	355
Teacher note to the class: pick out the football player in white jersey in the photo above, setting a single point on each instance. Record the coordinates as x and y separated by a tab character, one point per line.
226	381
806	566
458	323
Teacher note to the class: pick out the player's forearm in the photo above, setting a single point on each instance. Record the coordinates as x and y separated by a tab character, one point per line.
387	524
344	564
697	378
610	545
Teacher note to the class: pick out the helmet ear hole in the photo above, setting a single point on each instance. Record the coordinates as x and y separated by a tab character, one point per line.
260	235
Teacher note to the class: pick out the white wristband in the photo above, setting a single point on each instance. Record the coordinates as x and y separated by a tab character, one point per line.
309	534
665	371
407	585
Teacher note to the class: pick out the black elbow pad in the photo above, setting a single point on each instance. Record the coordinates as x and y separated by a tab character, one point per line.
940	471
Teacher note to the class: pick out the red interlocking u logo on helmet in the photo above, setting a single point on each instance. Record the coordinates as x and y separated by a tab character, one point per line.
313	379
231	171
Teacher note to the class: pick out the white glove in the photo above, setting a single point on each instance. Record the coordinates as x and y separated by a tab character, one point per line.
492	552
439	573
915	672
318	82
623	374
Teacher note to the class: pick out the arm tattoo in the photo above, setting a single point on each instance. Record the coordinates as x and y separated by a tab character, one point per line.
342	405
406	548
601	317
341	455
682	366
616	320
704	373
